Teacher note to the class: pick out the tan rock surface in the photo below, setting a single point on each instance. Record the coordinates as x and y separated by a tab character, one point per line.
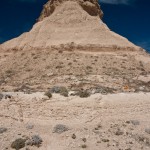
69	24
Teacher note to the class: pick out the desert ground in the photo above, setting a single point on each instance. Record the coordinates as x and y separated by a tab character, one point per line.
62	100
113	121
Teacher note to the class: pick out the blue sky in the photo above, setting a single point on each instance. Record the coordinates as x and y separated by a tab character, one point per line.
130	18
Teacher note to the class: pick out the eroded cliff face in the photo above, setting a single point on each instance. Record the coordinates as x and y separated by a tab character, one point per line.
71	24
90	6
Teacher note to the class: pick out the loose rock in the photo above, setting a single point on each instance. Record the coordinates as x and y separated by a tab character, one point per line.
73	136
1	96
2	130
105	140
48	94
119	132
29	126
62	90
135	122
84	146
147	130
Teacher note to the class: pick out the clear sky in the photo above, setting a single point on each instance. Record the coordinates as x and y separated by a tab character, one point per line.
130	18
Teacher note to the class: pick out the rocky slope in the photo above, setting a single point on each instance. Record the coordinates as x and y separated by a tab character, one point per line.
71	46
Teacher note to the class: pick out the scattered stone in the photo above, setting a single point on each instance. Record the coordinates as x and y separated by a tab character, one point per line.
98	141
96	128
103	90
119	132
105	140
29	126
135	122
35	140
84	140
18	144
84	146
128	122
48	94
99	126
2	130
60	128
142	139
24	88
1	96
62	90
83	94
55	89
147	130
73	136
7	96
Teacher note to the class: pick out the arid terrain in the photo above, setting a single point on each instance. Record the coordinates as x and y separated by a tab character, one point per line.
113	122
70	83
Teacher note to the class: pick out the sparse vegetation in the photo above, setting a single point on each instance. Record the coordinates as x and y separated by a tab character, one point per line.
62	90
35	140
84	146
2	130
83	94
73	136
9	73
84	139
105	140
60	128
147	130
1	96
135	122
48	94
18	144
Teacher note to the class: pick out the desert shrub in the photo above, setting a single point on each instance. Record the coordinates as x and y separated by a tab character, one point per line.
9	73
84	94
1	96
60	128
48	94
2	130
84	146
35	140
62	90
18	144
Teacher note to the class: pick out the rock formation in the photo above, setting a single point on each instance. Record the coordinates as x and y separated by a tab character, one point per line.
70	45
75	24
92	7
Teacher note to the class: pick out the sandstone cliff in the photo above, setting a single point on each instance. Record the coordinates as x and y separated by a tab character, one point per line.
90	6
75	24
